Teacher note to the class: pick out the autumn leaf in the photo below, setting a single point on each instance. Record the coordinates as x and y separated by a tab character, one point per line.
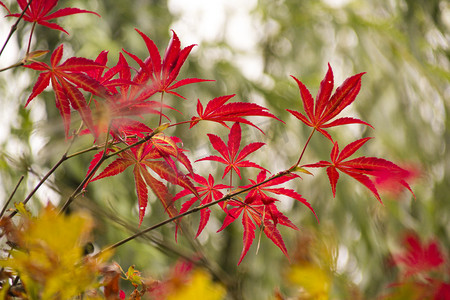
360	168
162	73
66	79
144	157
218	110
185	283
49	257
260	195
301	275
252	216
320	112
208	191
106	75
199	286
230	151
418	257
39	12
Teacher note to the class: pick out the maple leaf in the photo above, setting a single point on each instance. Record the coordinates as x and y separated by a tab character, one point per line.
320	113
252	216
419	257
143	157
186	282
217	110
127	99
207	191
163	72
106	78
359	168
230	151
66	79
39	12
49	255
259	195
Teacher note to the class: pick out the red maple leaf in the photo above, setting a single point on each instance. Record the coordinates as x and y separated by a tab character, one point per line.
106	75
230	151
320	113
66	79
359	168
260	195
208	191
252	216
217	111
39	12
419	257
143	157
132	97
163	73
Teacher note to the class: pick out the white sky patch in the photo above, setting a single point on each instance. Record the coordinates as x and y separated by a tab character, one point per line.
336	3
342	259
221	20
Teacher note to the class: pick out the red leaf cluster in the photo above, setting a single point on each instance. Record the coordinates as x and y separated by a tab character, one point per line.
423	268
39	11
112	100
320	112
66	79
360	168
319	115
419	257
230	151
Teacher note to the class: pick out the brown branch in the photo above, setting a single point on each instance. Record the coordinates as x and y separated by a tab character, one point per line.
14	26
11	196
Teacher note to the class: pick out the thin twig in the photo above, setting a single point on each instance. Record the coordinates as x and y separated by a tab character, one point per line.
11	196
63	158
19	64
50	172
14	26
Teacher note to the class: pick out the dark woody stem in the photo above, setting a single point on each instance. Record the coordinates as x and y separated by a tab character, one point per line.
14	27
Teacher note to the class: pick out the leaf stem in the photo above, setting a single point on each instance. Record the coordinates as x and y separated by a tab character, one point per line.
31	37
303	151
161	108
11	196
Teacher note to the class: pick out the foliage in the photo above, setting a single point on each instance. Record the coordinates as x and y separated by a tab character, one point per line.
48	255
121	107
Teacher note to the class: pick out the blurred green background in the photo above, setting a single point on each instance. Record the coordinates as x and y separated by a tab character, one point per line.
251	49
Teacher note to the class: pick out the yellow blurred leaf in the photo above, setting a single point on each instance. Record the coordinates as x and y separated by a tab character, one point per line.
315	281
49	258
22	210
200	286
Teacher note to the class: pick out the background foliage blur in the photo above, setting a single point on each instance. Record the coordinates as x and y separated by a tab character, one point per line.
251	49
